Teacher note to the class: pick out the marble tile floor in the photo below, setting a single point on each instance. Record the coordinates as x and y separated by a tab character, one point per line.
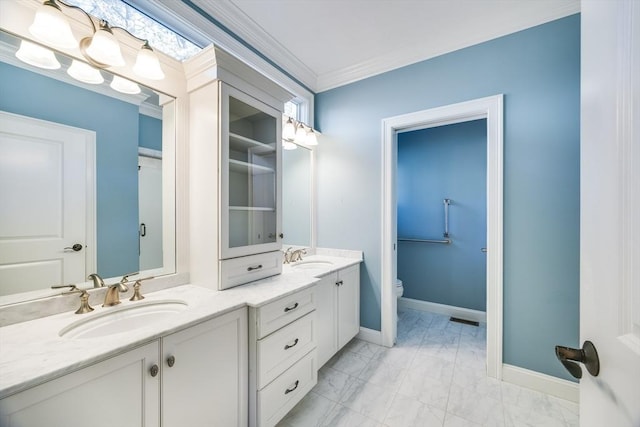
434	376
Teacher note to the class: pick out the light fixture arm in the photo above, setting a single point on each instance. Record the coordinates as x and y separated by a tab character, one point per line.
54	3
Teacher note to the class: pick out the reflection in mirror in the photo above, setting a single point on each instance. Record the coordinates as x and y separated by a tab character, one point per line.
80	177
297	199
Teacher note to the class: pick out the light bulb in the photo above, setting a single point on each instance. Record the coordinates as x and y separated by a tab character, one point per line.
124	85
147	64
85	73
37	56
51	26
103	48
289	130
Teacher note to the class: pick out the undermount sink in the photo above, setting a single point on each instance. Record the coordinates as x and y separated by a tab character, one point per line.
117	320
311	264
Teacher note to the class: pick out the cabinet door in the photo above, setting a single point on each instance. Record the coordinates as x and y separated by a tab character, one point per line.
204	373
251	167
117	392
348	304
326	315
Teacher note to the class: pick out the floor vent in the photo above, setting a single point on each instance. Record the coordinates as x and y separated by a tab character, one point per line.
466	322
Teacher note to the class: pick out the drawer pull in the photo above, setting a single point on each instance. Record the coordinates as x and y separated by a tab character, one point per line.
295	386
288	346
257	267
339	283
291	308
154	370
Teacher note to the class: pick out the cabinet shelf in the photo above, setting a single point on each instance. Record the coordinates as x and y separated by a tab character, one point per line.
251	209
243	167
239	143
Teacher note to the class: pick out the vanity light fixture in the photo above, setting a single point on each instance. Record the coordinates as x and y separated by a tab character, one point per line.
124	86
312	139
289	130
296	133
85	73
102	49
301	134
37	56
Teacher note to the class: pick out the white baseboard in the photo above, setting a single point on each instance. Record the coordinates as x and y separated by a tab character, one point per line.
449	310
558	387
370	335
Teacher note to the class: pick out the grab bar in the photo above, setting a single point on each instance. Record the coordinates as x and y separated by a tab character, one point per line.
446	242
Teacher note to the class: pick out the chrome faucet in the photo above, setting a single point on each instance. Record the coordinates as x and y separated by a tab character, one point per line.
112	297
97	280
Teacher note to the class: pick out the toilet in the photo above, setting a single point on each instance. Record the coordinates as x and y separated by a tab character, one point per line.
399	288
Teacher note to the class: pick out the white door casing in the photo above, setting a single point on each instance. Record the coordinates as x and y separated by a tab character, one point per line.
491	109
47	186
610	211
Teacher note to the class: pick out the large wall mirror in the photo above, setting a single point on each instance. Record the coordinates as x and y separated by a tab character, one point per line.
298	197
84	182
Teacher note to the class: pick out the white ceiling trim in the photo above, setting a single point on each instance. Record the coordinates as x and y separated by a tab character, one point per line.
243	26
247	29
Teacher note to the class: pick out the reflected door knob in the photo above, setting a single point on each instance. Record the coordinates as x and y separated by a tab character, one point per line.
586	355
77	247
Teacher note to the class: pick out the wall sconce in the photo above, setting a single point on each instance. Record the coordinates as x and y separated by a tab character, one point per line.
296	133
102	49
37	56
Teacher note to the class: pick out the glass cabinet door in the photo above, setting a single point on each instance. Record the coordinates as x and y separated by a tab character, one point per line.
250	169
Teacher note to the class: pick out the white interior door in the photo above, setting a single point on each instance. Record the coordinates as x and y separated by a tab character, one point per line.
150	212
43	193
610	211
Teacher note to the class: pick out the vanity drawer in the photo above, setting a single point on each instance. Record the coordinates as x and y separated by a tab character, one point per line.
238	271
283	348
275	315
276	399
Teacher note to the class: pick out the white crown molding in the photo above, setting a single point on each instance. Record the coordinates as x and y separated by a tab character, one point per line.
245	27
403	57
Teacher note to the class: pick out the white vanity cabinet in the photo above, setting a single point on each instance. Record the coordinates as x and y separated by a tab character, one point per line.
283	364
206	384
235	170
338	311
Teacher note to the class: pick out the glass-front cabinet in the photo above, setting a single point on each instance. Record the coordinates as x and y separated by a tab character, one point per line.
250	175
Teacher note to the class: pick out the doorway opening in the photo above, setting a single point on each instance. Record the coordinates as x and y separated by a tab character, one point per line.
491	109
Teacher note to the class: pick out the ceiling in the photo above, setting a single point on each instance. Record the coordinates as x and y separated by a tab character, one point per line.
329	43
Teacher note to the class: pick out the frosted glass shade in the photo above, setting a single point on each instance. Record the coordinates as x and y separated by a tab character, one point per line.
312	139
124	85
301	134
85	73
37	56
288	145
148	65
51	26
289	130
104	49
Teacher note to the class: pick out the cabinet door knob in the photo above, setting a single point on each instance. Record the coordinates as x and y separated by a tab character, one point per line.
154	370
291	308
295	386
281	235
288	346
171	360
339	283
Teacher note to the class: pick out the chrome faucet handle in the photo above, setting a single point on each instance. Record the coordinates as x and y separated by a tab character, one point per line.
84	303
97	280
122	285
287	256
137	296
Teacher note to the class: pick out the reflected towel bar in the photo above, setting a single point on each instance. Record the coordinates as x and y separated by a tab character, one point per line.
446	242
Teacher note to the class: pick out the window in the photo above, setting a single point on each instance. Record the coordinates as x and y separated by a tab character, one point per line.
120	14
292	110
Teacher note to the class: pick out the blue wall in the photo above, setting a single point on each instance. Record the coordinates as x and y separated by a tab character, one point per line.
538	71
116	125
150	133
445	162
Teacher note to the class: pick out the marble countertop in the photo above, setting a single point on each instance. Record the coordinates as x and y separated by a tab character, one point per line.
33	352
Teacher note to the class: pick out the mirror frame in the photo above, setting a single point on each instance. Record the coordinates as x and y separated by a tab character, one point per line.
15	19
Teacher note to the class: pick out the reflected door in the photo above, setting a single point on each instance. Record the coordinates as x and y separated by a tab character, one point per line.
43	193
150	212
251	155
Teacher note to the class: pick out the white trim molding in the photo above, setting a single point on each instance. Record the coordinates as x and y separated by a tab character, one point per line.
490	108
448	310
370	335
548	384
